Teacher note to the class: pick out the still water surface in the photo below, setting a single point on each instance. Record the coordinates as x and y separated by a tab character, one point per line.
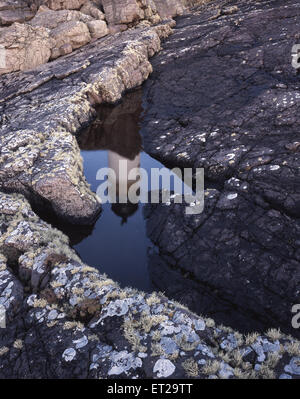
118	244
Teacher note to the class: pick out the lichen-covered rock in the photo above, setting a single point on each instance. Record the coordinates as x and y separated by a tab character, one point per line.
105	331
66	320
52	166
39	153
11	292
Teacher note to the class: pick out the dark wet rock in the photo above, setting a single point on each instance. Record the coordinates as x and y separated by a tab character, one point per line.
41	111
224	96
182	286
238	250
65	320
11	291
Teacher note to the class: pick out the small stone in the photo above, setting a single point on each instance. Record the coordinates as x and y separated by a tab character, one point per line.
81	342
232	196
199	325
294	366
285	377
97	29
69	354
52	314
164	368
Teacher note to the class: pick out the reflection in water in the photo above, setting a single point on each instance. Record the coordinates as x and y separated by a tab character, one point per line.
124	208
118	244
116	130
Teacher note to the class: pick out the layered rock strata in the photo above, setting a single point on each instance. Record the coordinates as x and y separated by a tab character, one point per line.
42	110
35	32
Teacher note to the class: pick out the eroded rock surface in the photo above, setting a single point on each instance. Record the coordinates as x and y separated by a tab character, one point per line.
121	14
51	28
42	109
238	251
65	320
49	35
25	46
225	97
14	11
